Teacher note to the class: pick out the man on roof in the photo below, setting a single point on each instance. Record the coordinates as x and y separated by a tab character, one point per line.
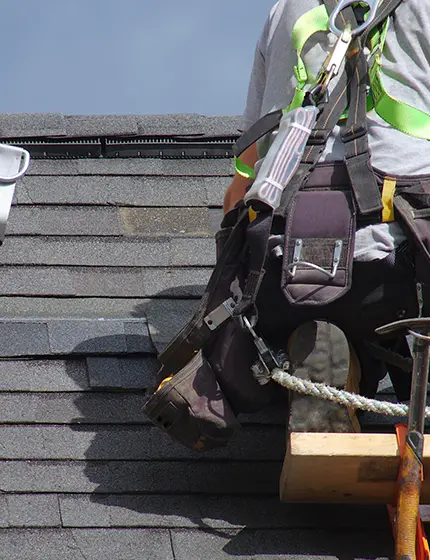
329	335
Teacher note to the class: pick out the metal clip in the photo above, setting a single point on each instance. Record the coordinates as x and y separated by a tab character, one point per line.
338	246
267	361
219	315
420	298
342	4
333	62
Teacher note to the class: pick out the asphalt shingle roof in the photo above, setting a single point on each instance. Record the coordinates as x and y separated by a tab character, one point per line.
104	261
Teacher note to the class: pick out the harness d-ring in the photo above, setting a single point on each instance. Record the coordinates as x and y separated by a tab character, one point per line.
373	5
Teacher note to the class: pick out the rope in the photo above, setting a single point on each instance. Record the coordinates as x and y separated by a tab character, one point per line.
322	391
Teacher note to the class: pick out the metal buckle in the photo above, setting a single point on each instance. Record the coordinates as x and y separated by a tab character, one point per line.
262	370
373	5
219	315
337	253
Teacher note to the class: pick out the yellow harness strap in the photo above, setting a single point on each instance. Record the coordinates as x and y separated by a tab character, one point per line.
388	199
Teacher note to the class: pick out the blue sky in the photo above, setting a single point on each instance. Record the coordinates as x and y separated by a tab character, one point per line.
129	56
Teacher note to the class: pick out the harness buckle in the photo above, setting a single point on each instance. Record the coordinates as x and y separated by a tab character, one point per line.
262	370
333	63
297	260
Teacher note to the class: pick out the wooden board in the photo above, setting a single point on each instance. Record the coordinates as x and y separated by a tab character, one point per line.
344	468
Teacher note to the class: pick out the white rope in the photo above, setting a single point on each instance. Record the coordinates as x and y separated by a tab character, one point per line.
322	391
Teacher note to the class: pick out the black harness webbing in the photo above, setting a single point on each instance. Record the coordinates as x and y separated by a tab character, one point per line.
355	138
263	126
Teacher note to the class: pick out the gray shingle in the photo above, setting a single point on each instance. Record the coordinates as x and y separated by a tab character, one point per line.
107	477
65	408
186	282
137	337
108	443
192	252
139	282
135	166
166	318
86	337
100	125
32	124
121	373
121	191
98	337
187	124
216	512
43	375
285	544
75	442
21	338
4	512
89	251
165	221
91	544
41	220
130	511
72	307
33	510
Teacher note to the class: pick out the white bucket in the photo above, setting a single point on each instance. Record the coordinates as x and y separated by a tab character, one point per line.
14	163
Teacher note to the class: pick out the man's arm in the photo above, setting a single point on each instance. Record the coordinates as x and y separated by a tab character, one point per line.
236	191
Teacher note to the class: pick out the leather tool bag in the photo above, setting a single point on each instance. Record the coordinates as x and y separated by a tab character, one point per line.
198	403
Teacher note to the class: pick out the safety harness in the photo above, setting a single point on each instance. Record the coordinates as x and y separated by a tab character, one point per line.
356	194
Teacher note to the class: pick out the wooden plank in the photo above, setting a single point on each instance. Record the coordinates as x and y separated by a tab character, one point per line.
344	468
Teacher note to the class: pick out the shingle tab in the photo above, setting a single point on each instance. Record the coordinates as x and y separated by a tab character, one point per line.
135	166
166	318
127	442
91	544
108	282
190	123
285	544
192	251
88	251
33	510
108	477
86	337
43	375
100	125
109	190
165	221
72	307
22	339
98	337
79	407
216	512
54	220
32	124
4	512
121	373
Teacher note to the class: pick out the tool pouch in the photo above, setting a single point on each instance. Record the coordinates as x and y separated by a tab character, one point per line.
192	409
197	405
319	246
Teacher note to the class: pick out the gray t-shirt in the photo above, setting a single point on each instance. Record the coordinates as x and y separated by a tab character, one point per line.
405	74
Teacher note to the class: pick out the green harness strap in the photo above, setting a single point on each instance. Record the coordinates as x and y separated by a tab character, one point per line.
313	21
397	114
